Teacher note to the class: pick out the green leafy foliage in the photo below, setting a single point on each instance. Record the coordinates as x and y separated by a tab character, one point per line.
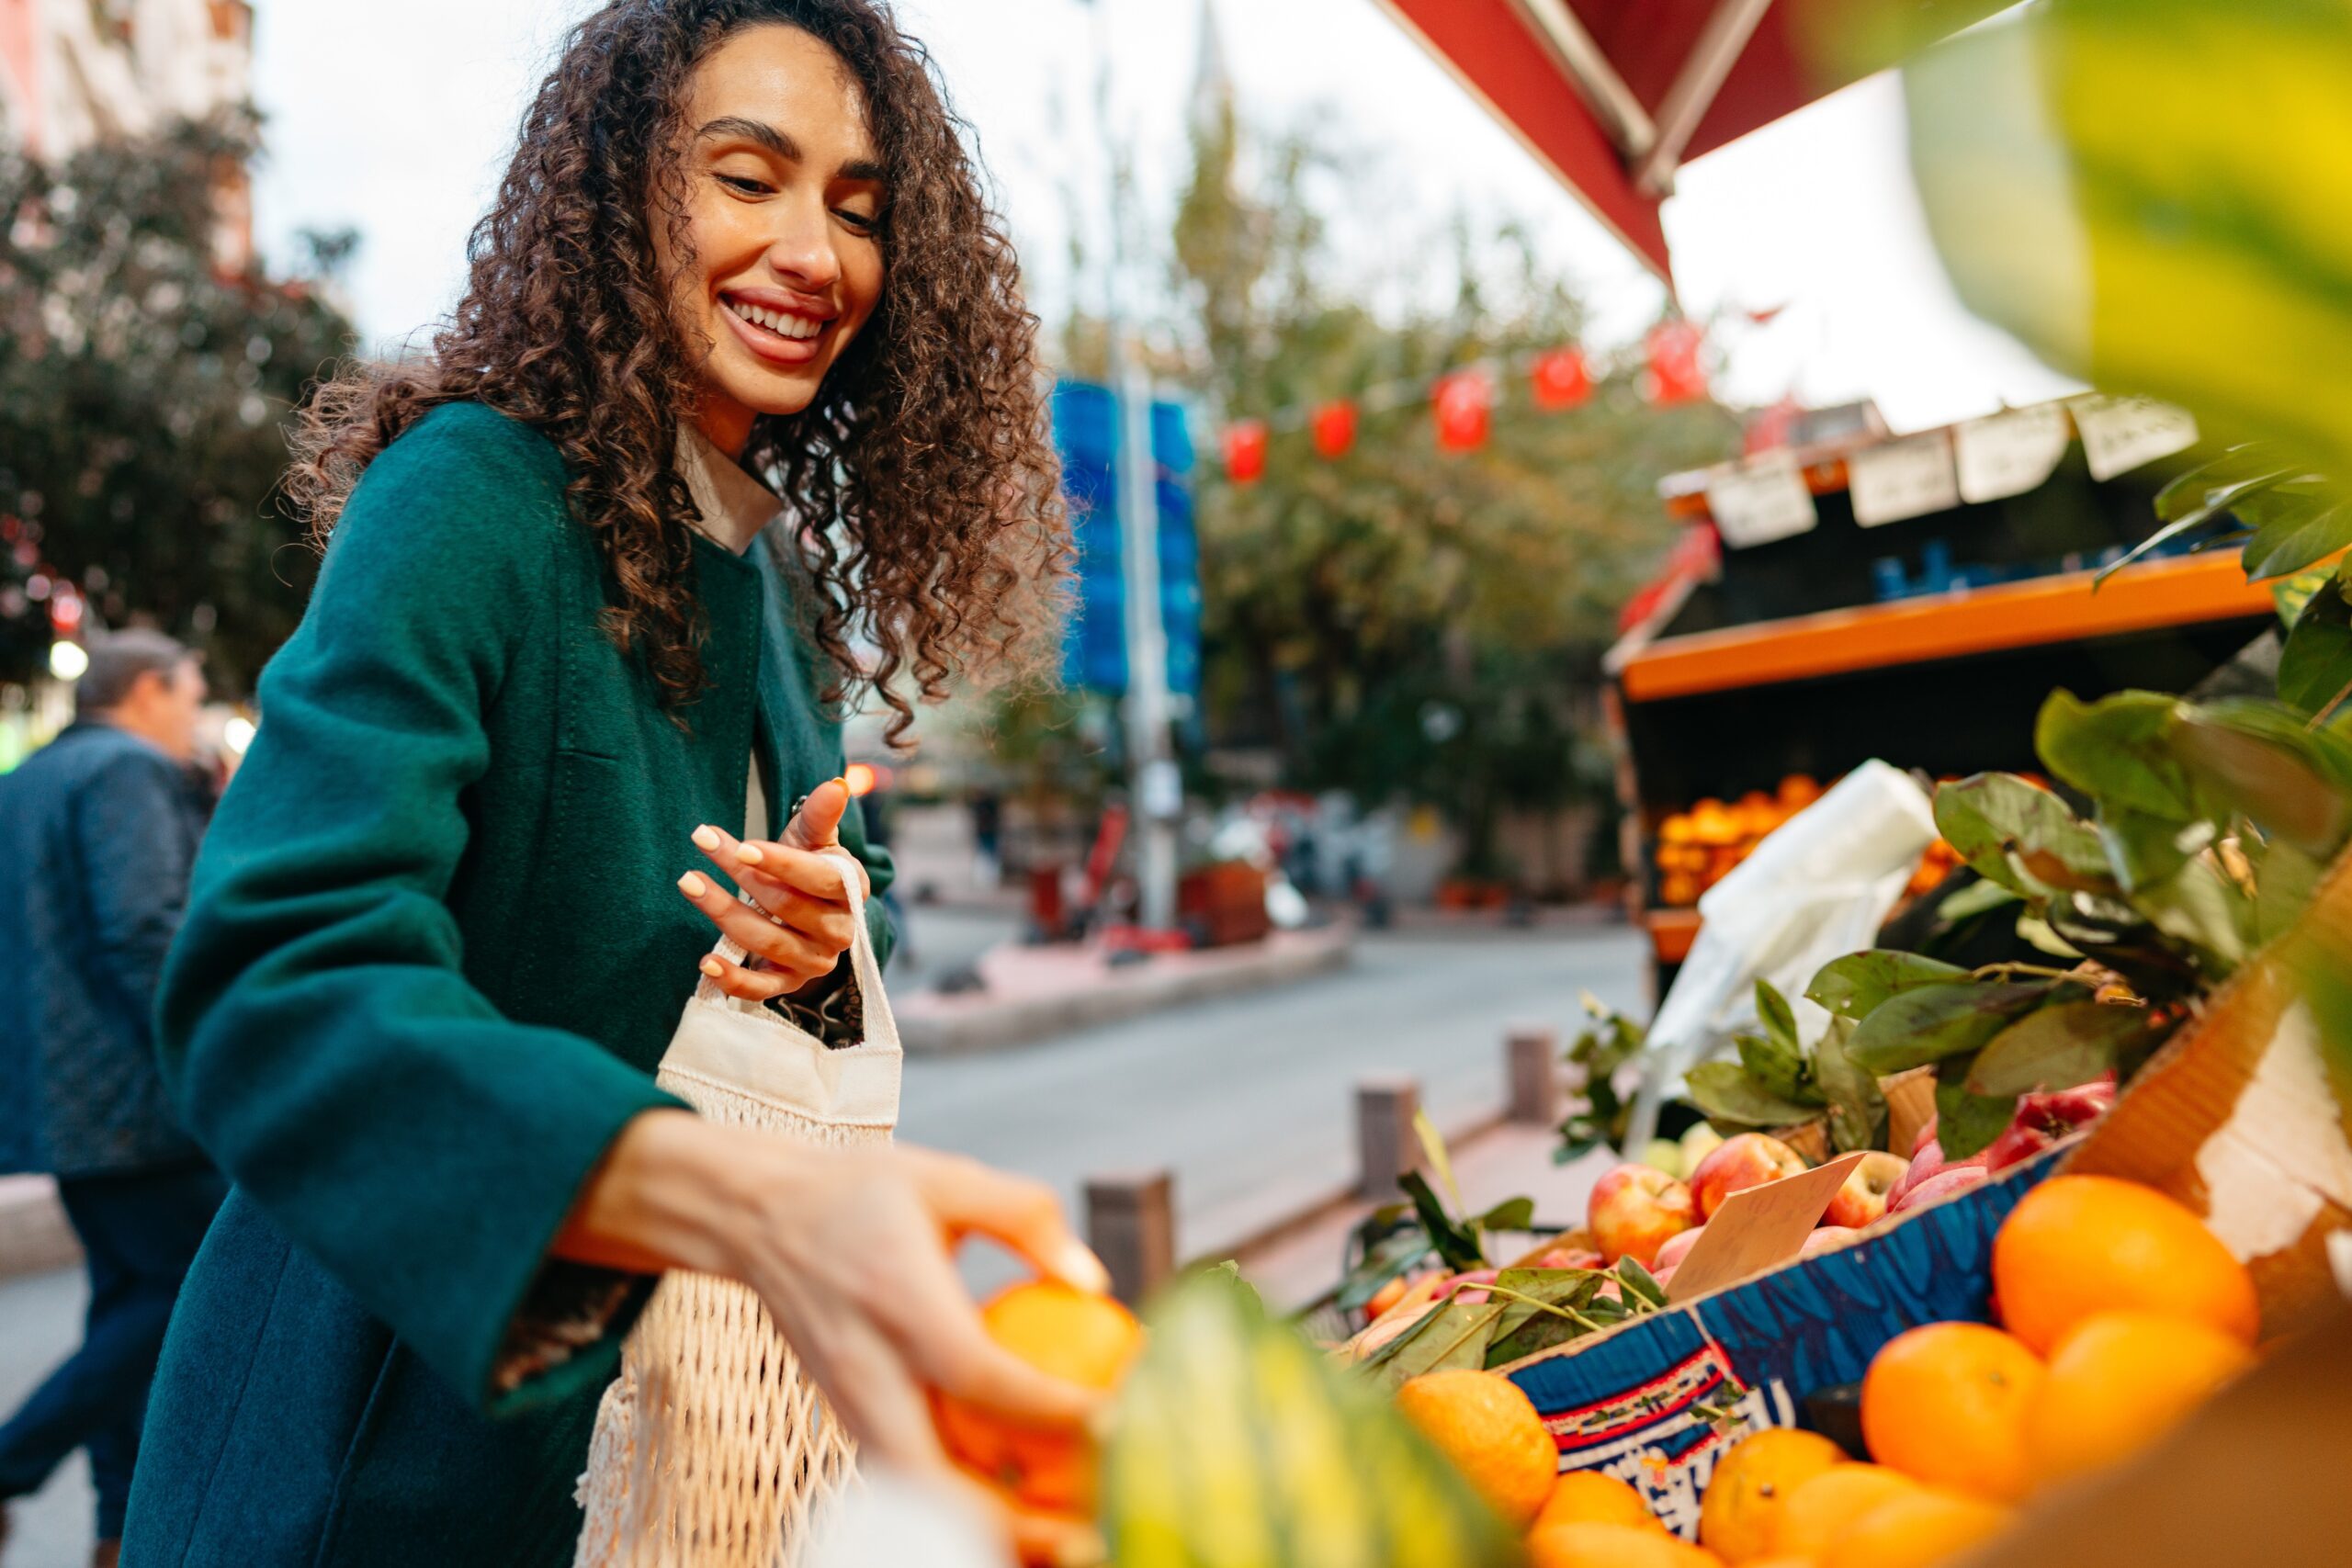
1931	1024
1858	1116
1598	1117
1854	985
1966	1121
143	392
2060	1045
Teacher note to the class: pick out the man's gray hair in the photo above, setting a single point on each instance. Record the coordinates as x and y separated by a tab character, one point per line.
116	661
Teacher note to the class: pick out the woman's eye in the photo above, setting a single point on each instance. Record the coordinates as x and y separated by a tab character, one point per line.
748	186
860	222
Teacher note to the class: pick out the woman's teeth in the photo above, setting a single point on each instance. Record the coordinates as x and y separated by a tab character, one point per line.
776	321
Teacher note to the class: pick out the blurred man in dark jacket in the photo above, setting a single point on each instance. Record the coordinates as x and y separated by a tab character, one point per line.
97	832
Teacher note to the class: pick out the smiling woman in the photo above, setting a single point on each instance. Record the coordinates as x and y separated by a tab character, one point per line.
742	371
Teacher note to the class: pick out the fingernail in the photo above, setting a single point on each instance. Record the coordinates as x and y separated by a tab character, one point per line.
1080	1267
712	967
693	886
749	854
706	837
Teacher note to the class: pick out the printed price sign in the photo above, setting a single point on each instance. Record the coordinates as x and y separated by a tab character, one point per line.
1903	479
2121	434
2009	454
1761	501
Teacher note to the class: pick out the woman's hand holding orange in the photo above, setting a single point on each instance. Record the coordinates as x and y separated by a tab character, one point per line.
799	923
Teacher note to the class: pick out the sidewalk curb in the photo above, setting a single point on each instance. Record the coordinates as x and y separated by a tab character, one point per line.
35	1237
943	1026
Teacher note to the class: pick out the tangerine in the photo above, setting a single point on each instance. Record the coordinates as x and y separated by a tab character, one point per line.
1585	1544
1819	1509
1917	1530
1587	1496
2080	1245
1751	1482
1946	1403
2118	1382
1490	1430
1086	1339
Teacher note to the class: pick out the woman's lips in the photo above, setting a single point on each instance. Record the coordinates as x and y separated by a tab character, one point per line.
770	345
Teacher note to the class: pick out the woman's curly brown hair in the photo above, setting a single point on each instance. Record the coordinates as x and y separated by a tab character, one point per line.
921	483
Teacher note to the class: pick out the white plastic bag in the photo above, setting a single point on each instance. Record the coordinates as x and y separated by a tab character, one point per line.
1817	889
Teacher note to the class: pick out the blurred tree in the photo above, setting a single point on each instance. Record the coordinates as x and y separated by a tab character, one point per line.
141	395
1401	620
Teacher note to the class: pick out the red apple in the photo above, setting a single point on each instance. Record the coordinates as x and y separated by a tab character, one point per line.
1462	1287
1927	1164
1943	1184
1749	1160
1676	1249
1569	1258
1633	1209
1865	1195
1828	1238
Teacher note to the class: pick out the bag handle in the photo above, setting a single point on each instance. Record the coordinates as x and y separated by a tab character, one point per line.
866	969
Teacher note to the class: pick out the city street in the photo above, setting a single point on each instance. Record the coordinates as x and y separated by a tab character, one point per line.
1247	1101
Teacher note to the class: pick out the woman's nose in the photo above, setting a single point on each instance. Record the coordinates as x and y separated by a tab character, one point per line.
802	247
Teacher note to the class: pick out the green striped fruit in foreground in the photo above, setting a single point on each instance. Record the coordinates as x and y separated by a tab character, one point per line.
1237	1444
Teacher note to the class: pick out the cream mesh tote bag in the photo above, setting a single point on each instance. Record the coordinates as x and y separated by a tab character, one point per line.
712	1449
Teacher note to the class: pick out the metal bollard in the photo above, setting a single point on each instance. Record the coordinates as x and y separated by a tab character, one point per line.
1386	1146
1531	1060
1131	1225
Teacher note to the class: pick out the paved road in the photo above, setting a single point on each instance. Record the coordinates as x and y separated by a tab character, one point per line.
1247	1100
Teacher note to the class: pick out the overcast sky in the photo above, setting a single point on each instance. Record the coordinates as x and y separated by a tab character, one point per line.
396	118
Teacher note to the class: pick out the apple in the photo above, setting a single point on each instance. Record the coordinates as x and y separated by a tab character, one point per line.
1462	1286
1699	1141
2044	1119
1943	1184
1927	1131
1662	1153
1737	1163
1864	1195
1665	1276
1927	1164
1632	1211
1671	1253
1569	1258
1828	1238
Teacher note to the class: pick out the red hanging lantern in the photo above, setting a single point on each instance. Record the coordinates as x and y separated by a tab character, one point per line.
1245	451
1334	428
1676	375
1560	378
1465	403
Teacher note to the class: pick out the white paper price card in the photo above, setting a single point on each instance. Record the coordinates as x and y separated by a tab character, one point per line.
2121	434
2009	454
1909	478
1760	502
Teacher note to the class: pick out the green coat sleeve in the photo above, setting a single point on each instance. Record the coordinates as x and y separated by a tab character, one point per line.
315	1025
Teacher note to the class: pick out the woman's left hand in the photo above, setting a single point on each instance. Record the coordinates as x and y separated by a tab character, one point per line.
798	881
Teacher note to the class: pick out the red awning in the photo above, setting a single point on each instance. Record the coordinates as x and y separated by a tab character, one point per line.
1613	96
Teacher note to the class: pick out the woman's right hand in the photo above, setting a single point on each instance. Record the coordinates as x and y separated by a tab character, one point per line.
852	1251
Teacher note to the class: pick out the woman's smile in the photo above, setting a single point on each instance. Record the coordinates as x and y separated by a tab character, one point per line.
786	333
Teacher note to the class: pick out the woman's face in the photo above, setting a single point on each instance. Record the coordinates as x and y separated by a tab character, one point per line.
783	196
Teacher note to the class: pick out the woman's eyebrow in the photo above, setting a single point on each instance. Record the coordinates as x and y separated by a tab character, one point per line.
783	146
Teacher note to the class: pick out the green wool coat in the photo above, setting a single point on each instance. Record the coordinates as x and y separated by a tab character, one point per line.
431	956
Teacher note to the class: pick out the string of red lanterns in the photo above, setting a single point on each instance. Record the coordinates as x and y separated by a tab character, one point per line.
1462	401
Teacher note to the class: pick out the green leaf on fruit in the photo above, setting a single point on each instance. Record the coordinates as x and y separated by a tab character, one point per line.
2021	836
1776	1068
1855	986
1455	1335
1856	1106
1525	1326
2058	1047
1455	1243
1725	1092
1932	1023
2117	751
1385	1261
1965	1122
1638	1282
1510	1214
1779	1019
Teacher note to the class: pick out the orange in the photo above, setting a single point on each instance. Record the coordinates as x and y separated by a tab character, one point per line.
1751	1482
1587	1496
1589	1545
1917	1530
1490	1429
2079	1244
1819	1508
2119	1380
1085	1339
1946	1403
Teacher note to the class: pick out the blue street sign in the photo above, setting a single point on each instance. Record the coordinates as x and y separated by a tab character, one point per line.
1094	646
